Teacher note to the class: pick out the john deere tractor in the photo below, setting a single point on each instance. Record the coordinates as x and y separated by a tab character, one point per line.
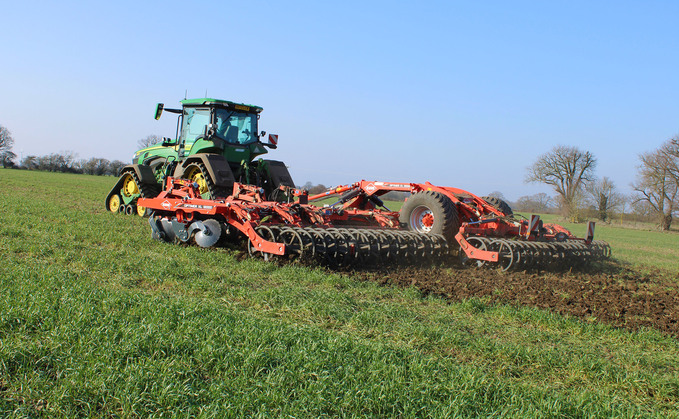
217	144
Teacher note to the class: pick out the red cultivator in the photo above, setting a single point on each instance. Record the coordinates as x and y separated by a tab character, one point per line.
358	229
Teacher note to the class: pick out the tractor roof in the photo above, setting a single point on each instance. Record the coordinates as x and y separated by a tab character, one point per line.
206	101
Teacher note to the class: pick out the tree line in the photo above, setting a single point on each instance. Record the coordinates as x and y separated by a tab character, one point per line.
67	162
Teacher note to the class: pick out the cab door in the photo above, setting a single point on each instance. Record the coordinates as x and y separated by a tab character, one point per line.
193	125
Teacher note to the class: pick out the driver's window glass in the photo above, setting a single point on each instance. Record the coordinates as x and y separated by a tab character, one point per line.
236	127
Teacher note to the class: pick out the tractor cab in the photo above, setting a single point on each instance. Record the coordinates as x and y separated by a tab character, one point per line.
215	126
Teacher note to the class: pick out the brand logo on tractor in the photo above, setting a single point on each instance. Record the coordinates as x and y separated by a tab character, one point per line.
370	187
166	204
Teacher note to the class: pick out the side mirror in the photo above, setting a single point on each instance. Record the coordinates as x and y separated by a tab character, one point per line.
159	110
210	130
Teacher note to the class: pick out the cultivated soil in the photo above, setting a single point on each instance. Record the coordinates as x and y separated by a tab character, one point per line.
620	296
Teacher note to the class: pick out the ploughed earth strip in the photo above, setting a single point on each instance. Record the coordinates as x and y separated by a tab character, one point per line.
619	296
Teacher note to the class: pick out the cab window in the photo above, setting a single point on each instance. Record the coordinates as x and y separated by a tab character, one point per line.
236	127
195	120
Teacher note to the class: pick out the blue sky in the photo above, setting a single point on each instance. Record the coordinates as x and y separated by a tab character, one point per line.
463	94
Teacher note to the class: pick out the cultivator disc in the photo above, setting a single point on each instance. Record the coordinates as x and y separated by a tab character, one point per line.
521	255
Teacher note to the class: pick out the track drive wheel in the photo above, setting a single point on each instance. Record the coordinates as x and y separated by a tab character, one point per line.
430	212
498	204
198	173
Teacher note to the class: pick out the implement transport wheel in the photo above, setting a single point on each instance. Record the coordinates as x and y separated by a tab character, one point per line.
114	203
498	204
430	212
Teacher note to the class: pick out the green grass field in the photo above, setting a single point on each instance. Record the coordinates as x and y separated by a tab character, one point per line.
98	320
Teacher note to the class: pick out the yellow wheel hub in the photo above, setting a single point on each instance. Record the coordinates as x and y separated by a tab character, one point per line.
196	175
114	203
141	211
130	186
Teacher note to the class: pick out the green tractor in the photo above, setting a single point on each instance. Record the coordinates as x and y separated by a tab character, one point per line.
217	144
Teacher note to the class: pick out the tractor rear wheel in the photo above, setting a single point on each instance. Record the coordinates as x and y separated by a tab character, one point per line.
498	204
430	212
198	173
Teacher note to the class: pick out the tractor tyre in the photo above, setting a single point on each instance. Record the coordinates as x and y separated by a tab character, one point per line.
498	204
198	173
430	212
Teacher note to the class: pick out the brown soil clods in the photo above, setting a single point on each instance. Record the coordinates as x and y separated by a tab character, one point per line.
620	296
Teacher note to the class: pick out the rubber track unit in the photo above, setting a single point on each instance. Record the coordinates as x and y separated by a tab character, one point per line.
146	190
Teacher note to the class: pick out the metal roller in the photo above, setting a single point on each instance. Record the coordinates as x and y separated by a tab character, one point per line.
518	254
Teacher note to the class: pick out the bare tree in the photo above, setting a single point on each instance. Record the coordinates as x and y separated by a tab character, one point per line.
658	181
7	156
566	169
64	161
30	163
94	166
604	196
115	167
538	203
149	140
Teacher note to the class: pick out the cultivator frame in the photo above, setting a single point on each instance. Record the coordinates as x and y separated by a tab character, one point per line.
293	230
359	230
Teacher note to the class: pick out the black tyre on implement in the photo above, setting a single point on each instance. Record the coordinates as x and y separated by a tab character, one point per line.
498	204
430	212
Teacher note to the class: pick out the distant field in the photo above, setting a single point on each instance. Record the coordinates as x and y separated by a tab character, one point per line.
98	320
